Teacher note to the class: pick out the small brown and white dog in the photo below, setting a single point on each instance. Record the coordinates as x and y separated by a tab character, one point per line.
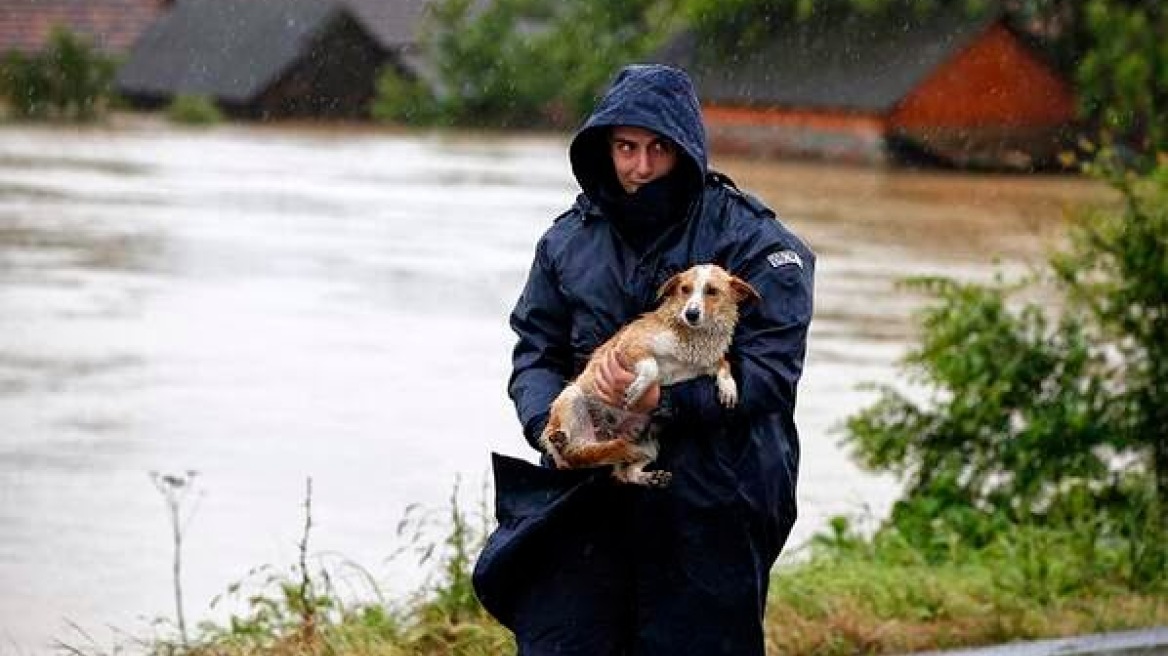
685	337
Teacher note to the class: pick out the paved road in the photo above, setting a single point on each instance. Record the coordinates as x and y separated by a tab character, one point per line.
1143	642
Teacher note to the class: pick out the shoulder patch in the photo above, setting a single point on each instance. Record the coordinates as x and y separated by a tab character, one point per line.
783	258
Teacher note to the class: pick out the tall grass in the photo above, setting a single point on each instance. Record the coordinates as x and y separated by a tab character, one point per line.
307	608
849	595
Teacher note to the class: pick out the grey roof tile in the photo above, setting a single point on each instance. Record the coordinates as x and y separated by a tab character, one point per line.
859	64
228	49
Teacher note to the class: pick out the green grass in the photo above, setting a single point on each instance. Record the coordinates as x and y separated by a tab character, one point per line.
844	603
847	596
843	594
850	603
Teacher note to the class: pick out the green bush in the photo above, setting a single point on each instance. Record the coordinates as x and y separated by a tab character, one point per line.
194	110
1116	274
403	100
1045	414
69	80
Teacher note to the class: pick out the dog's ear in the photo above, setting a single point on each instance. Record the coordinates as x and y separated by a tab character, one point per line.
743	291
669	287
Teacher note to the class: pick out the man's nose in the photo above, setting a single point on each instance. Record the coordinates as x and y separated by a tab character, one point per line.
644	163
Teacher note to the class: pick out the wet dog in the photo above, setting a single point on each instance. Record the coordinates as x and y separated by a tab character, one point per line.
685	337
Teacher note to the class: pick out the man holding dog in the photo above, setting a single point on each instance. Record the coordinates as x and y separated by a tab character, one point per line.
581	564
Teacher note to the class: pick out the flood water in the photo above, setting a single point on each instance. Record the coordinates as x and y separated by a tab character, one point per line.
263	305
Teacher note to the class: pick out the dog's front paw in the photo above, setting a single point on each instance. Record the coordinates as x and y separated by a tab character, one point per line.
558	440
727	391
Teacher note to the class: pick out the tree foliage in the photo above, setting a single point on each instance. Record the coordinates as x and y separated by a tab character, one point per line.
731	24
1123	75
68	80
523	63
1040	412
1117	273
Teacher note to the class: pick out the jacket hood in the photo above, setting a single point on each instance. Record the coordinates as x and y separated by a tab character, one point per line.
650	96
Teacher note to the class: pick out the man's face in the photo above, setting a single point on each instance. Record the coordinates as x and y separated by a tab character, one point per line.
640	156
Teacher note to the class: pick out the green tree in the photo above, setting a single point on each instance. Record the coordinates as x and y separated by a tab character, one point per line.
733	24
68	80
582	61
479	60
1123	75
1040	411
523	63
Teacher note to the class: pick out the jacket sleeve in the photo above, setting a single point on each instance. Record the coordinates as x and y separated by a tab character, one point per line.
542	360
770	343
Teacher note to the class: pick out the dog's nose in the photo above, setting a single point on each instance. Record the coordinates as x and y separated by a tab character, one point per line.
692	315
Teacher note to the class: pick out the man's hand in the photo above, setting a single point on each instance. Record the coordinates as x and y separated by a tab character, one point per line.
613	378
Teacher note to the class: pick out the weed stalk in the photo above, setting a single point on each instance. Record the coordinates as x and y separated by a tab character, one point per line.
307	597
174	489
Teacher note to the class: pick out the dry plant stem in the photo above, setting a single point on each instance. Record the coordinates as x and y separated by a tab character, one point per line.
307	608
174	489
176	528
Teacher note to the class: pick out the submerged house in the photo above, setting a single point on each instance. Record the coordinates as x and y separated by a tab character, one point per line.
272	58
110	26
950	89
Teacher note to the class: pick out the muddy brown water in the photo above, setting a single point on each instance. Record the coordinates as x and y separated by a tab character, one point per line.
264	305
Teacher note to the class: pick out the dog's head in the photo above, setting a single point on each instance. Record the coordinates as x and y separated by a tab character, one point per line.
703	296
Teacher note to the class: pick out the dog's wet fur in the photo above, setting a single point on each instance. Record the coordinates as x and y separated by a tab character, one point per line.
687	336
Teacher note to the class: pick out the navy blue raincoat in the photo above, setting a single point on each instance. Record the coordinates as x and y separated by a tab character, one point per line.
579	563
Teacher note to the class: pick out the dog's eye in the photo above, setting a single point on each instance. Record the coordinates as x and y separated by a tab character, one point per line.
710	291
686	289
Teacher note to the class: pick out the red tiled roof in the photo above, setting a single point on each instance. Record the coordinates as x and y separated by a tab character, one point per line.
110	25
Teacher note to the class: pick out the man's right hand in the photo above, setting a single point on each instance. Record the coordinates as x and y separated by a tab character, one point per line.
613	378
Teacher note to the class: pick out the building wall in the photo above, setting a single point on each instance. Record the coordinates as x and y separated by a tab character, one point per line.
774	131
336	77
